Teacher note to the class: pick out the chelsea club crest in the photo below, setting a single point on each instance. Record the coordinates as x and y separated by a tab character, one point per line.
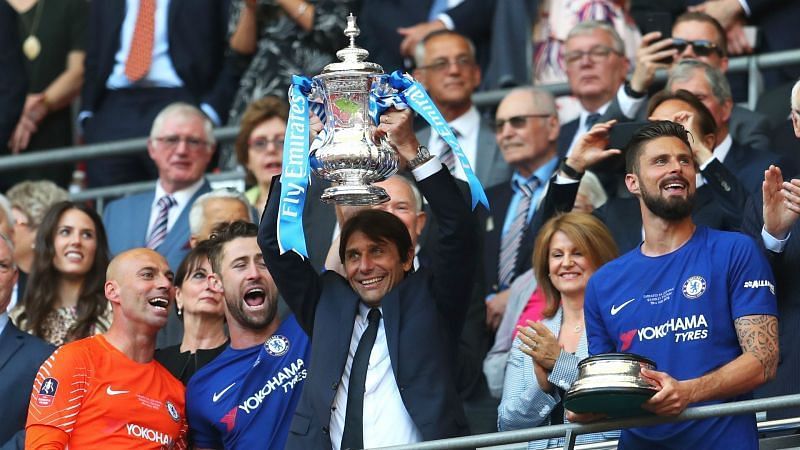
694	287
277	345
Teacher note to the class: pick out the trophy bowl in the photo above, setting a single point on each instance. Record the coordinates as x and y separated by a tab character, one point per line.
348	156
611	383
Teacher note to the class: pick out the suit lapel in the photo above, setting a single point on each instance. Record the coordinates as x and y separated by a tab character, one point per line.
485	154
179	233
9	343
568	131
141	221
391	324
174	7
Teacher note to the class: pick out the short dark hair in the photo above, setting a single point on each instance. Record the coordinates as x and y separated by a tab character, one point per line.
696	16
653	130
224	234
704	118
380	226
192	261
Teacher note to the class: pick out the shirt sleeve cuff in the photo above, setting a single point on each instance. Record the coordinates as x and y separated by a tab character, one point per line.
211	113
83	116
772	243
427	168
705	164
745	7
565	180
565	370
448	22
628	105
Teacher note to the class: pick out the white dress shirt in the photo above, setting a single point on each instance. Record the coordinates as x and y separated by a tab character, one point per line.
466	126
720	153
181	197
386	420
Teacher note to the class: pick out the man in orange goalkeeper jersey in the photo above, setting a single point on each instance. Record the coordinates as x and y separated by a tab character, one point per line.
107	391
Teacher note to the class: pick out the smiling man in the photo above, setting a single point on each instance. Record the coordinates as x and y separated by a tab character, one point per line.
181	145
705	312
246	396
107	391
383	336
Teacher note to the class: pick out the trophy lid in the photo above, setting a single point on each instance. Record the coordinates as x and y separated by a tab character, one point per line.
353	58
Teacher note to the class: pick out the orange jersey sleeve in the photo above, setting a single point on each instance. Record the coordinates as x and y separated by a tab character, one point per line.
43	437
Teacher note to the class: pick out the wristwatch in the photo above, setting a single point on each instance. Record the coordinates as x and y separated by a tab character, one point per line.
634	94
569	171
423	156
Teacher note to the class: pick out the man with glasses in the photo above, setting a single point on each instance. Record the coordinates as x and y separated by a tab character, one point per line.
181	145
697	36
594	56
446	66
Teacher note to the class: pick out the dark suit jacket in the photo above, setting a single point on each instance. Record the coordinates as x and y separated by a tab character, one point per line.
13	81
490	166
558	198
21	354
197	36
126	222
787	285
427	306
749	165
717	204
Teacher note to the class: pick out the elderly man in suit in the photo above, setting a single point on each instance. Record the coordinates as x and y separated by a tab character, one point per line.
772	220
144	55
384	328
181	145
446	66
20	357
712	88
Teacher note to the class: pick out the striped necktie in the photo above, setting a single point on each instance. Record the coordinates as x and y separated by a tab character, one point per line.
140	54
509	243
446	156
591	119
159	232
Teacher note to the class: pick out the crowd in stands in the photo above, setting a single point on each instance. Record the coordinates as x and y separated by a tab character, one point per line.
633	215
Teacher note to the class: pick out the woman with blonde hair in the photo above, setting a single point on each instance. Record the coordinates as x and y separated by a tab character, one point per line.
543	362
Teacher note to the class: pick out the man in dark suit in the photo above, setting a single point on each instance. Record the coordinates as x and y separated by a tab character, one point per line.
21	354
181	145
414	318
712	88
772	220
189	61
700	37
445	65
13	82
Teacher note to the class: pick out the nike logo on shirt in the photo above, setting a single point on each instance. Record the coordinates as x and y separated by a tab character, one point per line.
112	392
616	309
219	394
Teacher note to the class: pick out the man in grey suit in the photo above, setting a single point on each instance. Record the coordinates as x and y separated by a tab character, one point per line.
21	354
181	145
446	66
695	35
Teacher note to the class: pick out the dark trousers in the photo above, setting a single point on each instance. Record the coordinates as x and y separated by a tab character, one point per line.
126	114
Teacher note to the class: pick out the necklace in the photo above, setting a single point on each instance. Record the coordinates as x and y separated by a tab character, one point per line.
578	328
31	46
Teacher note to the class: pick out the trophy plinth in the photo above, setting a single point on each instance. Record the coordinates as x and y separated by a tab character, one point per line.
349	157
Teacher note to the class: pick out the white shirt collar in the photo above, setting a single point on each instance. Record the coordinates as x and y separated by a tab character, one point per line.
181	197
721	151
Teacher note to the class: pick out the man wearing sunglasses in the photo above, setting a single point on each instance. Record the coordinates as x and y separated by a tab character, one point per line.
697	36
446	66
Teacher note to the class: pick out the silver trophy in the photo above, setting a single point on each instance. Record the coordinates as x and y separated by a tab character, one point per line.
348	156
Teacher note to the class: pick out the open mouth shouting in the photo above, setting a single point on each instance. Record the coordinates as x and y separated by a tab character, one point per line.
675	186
255	298
160	304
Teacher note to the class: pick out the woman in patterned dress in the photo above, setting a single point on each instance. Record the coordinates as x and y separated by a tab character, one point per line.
64	300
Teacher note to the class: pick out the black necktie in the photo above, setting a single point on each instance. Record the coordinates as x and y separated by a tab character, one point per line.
353	434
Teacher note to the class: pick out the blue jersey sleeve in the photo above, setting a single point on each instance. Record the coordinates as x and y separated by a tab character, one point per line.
202	433
597	336
751	284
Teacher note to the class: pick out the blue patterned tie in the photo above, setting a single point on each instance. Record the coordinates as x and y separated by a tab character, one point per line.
509	243
159	232
591	119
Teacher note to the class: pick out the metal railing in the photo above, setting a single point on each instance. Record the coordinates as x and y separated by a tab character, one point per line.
572	430
751	64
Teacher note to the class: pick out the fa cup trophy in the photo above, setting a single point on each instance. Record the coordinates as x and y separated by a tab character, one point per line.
348	156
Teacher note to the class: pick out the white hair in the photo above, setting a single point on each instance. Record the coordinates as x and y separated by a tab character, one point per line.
182	109
5	208
591	187
795	102
196	213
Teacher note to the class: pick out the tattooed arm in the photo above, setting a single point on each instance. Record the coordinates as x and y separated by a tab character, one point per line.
758	337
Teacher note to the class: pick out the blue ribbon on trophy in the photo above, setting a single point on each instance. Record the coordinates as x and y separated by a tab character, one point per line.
410	93
295	170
